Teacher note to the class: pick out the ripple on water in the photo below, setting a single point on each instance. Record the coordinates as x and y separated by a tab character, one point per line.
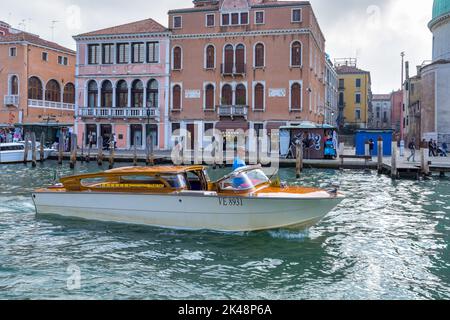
388	239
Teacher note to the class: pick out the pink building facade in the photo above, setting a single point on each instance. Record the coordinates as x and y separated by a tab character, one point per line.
122	85
398	111
245	64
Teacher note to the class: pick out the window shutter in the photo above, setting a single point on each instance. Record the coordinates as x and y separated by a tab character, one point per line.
259	97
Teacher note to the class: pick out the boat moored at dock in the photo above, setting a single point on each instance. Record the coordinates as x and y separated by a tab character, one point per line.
15	152
184	198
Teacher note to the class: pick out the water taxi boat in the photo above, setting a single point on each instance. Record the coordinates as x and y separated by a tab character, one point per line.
15	152
184	197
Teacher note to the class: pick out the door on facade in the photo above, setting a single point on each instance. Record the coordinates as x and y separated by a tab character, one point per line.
91	135
259	133
106	133
136	135
152	132
191	142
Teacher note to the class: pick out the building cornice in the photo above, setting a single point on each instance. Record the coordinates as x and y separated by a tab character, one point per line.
27	43
435	22
122	36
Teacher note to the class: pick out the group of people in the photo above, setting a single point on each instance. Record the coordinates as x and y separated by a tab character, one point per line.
433	149
8	135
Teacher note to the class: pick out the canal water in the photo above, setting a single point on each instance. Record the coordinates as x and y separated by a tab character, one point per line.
387	240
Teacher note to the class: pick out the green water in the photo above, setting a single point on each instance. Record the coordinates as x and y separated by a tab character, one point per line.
387	240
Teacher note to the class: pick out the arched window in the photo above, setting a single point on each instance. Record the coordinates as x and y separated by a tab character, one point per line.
152	94
35	89
210	57
53	91
296	54
229	59
259	55
177	57
69	93
227	95
240	58
137	94
241	95
176	96
14	88
107	94
296	97
122	94
209	97
92	94
259	97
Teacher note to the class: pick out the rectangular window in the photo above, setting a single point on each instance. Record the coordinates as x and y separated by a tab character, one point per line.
235	18
225	19
153	52
62	60
210	20
341	84
341	99
358	114
358	83
175	127
138	52
177	22
358	98
208	126
123	53
12	52
259	17
93	53
244	18
297	15
108	54
44	56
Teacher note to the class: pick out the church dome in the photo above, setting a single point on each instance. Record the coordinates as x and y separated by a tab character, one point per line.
440	7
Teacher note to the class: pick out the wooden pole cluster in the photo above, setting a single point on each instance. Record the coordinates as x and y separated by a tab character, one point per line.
82	147
100	151
380	155
73	150
27	148
150	159
42	146
299	159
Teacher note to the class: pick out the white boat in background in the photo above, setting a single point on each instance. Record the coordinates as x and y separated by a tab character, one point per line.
185	198
15	152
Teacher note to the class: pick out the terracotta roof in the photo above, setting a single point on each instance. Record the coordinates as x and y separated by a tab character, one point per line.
34	39
349	70
144	26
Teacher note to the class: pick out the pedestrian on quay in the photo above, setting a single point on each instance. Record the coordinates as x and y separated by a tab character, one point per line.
445	147
412	148
371	147
431	150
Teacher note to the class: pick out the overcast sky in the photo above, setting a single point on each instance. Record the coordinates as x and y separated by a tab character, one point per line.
374	31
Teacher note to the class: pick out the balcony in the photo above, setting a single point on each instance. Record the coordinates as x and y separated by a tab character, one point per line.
11	101
235	70
50	105
118	113
233	111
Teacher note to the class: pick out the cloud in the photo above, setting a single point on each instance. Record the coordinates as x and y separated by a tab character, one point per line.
374	31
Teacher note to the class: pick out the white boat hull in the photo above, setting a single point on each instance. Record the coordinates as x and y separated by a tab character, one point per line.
188	211
17	156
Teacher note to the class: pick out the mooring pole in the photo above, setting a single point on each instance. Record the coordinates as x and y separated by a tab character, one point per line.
424	154
82	147
111	155
33	149
299	159
100	151
73	149
60	148
380	155
135	161
394	170
25	155
41	148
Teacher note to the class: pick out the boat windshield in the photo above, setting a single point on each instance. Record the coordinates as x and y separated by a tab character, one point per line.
242	181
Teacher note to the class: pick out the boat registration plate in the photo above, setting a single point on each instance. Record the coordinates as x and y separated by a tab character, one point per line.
231	202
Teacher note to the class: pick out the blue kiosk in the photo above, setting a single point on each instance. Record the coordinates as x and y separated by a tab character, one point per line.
364	135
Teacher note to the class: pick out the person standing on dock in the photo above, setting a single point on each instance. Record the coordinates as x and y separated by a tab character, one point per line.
412	149
371	147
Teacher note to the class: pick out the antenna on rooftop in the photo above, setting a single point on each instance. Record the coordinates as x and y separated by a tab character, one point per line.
22	25
53	29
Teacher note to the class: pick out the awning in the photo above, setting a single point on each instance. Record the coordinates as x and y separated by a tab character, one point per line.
232	125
